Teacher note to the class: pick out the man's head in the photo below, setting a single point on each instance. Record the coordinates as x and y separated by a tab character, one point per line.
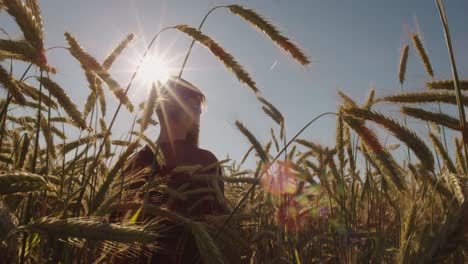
179	110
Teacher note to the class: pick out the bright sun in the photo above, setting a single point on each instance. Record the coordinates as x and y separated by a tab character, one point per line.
154	68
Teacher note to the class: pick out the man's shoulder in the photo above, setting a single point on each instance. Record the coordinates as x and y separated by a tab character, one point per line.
207	156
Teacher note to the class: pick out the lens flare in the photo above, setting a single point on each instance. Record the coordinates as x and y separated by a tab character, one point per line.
279	178
291	214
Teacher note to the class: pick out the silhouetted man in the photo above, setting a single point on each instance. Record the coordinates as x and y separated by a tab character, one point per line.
179	108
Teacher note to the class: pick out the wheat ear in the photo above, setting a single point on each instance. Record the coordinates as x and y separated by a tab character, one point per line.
260	23
227	59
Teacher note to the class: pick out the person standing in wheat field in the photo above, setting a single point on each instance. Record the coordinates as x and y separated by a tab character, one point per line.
178	109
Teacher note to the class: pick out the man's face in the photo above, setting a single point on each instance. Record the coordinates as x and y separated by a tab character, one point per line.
191	110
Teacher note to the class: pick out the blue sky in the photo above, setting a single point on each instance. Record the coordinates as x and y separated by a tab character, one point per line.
352	44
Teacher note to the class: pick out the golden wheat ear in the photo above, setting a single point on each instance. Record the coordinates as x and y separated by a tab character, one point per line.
424	97
30	23
149	107
447	85
32	92
63	99
9	83
109	60
403	63
255	143
16	182
383	160
260	23
90	64
437	118
272	111
91	228
227	59
409	137
422	54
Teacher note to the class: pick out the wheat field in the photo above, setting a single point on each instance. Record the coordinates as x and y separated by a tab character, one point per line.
303	202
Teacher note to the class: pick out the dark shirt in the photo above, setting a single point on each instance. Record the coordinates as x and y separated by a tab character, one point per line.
194	206
205	189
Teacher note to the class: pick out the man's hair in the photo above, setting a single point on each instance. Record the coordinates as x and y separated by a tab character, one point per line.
172	97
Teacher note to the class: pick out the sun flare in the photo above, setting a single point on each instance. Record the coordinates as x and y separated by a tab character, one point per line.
155	68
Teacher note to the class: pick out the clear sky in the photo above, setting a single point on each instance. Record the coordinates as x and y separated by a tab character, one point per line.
352	44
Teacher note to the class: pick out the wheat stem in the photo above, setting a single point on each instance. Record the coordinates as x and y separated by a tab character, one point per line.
193	41
461	109
252	187
107	134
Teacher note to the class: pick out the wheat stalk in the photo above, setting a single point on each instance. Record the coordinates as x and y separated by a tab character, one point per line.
260	23
209	252
438	118
370	100
459	158
415	143
316	148
272	111
88	63
91	229
384	160
422	54
456	186
30	25
403	62
8	55
348	102
109	60
89	104
104	130
16	182
24	152
340	141
46	131
102	191
150	105
255	143
20	47
424	97
34	94
407	229
76	143
35	10
447	85
443	153
9	83
63	99
227	59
